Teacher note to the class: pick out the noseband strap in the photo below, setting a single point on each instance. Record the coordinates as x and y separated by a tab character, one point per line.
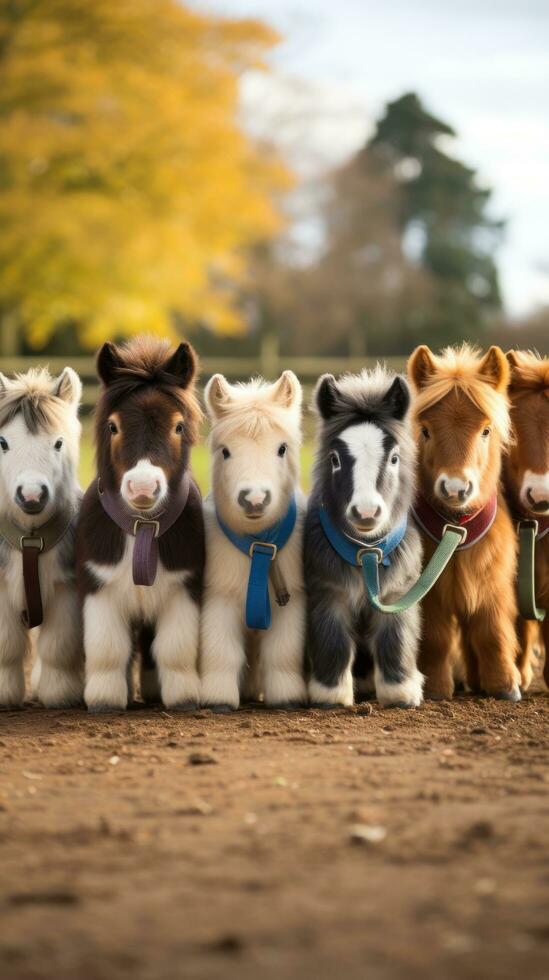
262	549
145	530
32	544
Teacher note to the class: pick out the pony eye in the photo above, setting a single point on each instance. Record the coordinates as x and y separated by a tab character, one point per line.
282	449
113	428
3	445
486	432
394	459
425	432
179	428
58	445
335	461
225	452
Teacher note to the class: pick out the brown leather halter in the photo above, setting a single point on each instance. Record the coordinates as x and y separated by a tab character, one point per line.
32	544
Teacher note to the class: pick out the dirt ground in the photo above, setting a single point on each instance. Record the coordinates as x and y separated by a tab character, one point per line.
355	843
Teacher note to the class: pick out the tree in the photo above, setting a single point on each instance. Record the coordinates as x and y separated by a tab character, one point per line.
128	191
443	213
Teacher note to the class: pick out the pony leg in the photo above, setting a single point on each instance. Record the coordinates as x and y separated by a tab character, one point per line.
395	641
222	653
175	650
330	651
14	642
60	654
282	655
149	683
490	632
108	649
545	634
436	648
528	635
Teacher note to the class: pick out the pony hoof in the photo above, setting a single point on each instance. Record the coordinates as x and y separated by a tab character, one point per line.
182	706
220	709
513	695
400	705
104	709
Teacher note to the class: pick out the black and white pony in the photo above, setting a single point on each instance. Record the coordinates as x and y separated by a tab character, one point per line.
363	488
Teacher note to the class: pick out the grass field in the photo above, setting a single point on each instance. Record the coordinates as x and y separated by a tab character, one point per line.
200	462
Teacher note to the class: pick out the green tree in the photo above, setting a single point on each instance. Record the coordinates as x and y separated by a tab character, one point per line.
443	213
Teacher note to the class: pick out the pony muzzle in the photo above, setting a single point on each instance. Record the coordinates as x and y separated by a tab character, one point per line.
144	487
456	491
254	501
32	496
535	492
366	516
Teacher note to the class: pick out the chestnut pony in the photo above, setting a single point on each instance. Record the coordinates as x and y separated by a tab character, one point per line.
462	427
526	472
140	536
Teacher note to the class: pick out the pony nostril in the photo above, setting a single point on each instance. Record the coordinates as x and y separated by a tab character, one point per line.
254	506
539	505
44	494
466	492
157	489
444	489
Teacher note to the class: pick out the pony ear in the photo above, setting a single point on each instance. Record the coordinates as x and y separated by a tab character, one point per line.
68	387
183	364
421	366
287	390
217	395
325	396
4	384
494	369
397	398
108	362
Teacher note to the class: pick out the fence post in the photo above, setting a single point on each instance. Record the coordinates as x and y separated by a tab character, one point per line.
269	355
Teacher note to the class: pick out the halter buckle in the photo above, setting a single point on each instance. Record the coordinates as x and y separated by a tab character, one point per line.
456	527
263	544
369	551
144	521
29	541
528	524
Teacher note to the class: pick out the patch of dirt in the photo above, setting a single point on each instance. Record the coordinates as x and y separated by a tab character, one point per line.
355	843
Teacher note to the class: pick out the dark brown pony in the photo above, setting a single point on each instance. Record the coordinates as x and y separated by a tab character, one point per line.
462	427
141	522
526	472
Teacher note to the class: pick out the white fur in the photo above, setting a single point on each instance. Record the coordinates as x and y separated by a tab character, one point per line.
408	694
254	464
342	693
535	484
108	614
31	463
365	443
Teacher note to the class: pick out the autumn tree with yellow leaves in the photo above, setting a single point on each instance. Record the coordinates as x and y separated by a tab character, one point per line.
128	191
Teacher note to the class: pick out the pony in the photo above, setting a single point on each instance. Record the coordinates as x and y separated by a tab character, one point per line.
462	427
140	534
363	485
254	442
39	500
526	478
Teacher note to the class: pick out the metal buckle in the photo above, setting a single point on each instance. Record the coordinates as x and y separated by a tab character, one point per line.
155	524
528	524
369	551
263	544
28	541
456	527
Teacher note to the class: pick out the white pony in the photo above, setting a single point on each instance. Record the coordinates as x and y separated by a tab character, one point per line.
255	441
39	499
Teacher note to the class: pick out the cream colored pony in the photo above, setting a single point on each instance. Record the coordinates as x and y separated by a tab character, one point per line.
255	441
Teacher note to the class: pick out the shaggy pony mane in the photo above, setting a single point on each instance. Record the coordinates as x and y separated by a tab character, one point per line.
529	372
252	412
457	370
31	395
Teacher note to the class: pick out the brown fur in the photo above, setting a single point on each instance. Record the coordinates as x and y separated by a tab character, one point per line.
458	395
529	392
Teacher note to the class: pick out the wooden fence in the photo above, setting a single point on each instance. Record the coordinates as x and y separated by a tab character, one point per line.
268	364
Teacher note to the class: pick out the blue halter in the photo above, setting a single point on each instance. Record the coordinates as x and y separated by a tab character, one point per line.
351	550
262	548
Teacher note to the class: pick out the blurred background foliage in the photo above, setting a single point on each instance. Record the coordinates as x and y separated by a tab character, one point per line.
133	198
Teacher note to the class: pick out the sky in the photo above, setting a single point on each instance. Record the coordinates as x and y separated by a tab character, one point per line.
481	65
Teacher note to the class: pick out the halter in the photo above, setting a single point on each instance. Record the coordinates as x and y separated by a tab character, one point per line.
370	556
146	531
530	532
476	525
32	544
262	549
